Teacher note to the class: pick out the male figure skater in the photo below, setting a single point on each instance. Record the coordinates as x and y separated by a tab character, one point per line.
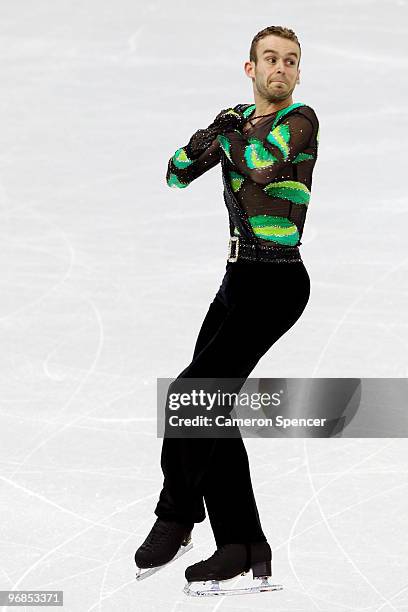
267	152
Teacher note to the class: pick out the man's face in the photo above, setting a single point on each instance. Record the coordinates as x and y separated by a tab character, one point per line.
275	74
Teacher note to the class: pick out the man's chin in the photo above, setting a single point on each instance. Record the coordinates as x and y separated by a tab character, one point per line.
273	99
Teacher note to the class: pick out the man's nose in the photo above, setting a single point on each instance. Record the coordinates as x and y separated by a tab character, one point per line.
280	66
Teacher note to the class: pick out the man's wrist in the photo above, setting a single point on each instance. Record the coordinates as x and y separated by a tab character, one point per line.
200	141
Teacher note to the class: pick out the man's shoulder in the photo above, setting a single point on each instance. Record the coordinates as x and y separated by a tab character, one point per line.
304	109
241	108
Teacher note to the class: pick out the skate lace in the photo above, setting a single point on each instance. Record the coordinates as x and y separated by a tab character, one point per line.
159	534
218	552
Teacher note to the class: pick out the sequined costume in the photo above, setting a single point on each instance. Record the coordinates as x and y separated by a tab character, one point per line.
267	174
267	171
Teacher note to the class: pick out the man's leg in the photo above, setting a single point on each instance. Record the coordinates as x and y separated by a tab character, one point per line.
186	461
260	322
213	320
229	496
177	501
249	329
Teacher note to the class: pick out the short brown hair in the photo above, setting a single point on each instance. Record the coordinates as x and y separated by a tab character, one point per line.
276	31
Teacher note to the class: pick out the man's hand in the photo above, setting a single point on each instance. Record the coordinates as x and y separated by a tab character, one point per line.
227	120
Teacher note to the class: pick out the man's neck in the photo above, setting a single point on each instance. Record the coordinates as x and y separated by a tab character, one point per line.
262	107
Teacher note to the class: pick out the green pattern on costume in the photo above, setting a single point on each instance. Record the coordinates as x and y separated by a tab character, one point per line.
225	145
270	147
294	191
236	180
285	111
180	159
281	113
256	156
277	229
231	111
280	137
302	157
174	182
249	110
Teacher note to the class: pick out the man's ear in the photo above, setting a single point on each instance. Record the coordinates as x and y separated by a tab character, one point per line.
247	67
298	77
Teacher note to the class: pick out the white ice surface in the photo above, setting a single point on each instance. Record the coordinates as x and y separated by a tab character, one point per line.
106	275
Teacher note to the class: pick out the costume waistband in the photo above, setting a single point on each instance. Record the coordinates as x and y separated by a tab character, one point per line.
240	249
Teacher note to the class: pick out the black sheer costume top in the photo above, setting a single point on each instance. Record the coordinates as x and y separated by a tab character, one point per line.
267	170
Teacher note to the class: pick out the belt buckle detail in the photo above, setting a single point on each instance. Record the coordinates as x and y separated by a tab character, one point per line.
234	240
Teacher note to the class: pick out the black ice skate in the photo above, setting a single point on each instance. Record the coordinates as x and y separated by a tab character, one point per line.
228	562
167	541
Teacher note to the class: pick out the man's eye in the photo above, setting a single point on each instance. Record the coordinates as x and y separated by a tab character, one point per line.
273	58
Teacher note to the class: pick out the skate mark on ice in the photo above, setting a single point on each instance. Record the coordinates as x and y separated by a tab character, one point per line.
350	308
73	395
308	502
104	596
335	538
60	282
59	507
405	588
99	523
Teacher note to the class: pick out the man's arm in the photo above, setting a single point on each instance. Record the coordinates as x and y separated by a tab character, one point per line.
262	160
185	166
202	151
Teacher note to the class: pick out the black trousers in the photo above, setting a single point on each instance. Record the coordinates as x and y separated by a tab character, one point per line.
255	305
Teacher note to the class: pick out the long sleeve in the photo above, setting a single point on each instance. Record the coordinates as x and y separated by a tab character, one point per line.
189	163
262	160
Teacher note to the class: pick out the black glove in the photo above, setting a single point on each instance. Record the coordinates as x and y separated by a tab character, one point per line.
227	120
200	141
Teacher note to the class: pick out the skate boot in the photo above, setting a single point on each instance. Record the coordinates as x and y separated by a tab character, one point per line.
215	575
166	541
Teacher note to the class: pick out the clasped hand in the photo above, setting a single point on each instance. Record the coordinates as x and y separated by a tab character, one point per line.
227	120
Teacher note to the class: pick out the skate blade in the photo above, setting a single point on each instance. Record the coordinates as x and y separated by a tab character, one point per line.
141	574
226	587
